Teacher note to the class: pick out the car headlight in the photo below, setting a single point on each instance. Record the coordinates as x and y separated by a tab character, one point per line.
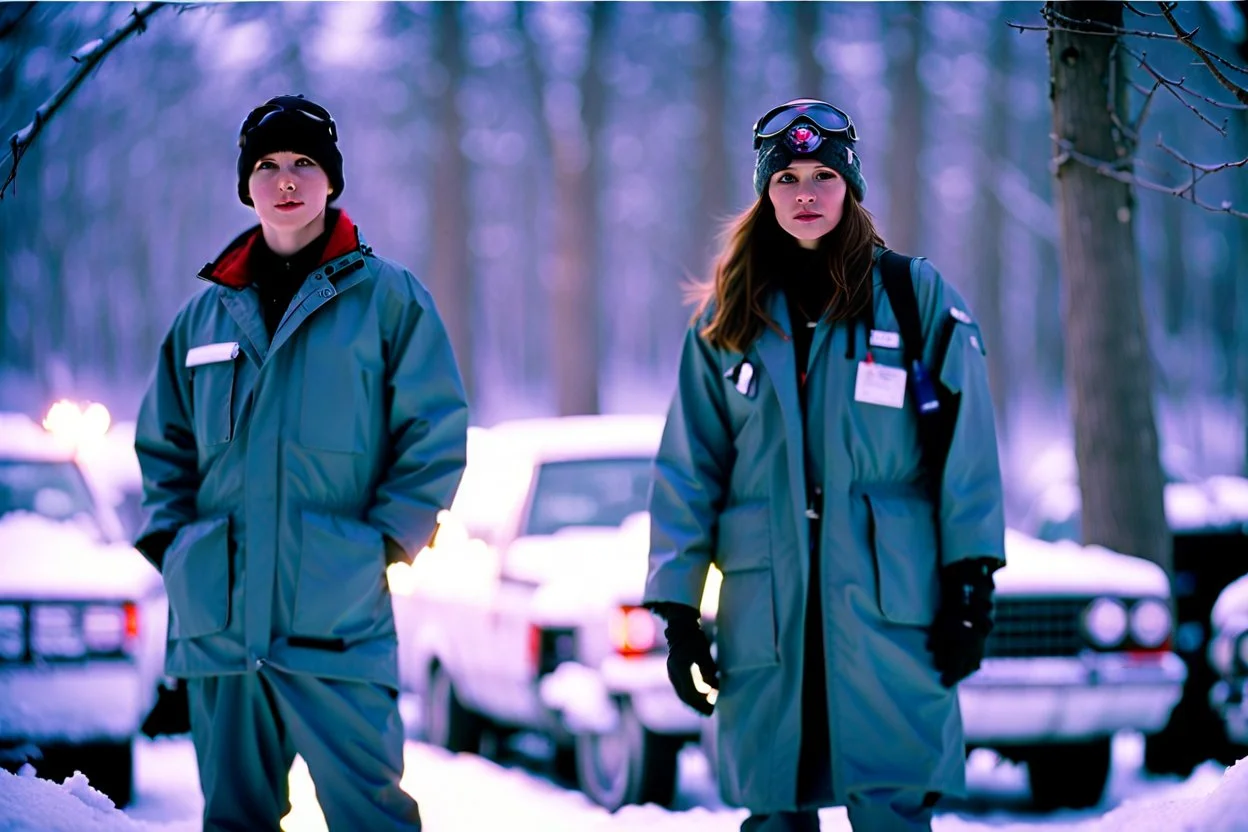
1221	655
1105	622
1150	622
12	632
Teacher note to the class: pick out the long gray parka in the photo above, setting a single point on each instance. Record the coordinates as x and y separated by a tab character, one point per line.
731	489
281	465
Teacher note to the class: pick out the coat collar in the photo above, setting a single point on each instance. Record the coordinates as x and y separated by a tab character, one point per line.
232	268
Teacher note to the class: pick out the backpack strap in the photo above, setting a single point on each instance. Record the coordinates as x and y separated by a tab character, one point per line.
895	271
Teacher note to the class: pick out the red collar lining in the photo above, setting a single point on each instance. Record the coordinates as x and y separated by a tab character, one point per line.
232	268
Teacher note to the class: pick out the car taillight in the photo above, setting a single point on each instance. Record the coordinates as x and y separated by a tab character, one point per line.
633	630
132	621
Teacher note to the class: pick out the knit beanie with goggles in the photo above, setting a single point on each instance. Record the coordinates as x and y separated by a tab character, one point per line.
807	128
289	123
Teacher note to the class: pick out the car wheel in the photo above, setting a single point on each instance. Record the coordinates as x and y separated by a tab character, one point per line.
108	766
628	765
447	722
1071	776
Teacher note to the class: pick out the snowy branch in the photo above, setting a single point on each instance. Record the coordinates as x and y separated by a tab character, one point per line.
88	58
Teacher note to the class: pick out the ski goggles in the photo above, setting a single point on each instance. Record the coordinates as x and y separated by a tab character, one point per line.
264	113
829	121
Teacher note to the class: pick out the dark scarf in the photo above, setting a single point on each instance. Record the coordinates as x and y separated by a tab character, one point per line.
803	276
278	278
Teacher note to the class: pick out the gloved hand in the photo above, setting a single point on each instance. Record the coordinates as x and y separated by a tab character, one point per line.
687	646
964	620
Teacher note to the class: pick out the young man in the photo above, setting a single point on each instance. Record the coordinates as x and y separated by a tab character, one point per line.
305	424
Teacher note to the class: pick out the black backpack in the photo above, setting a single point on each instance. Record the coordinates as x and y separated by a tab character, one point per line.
935	424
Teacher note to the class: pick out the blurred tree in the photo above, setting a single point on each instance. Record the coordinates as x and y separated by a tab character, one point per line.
573	105
806	29
1107	354
988	223
905	197
713	205
450	269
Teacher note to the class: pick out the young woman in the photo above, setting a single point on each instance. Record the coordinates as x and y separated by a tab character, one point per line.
305	424
857	582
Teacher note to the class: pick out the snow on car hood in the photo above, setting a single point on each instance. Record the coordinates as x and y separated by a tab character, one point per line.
42	558
584	569
1067	568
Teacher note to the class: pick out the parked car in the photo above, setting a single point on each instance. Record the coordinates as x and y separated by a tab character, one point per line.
1079	651
82	619
1228	656
1209	522
524	613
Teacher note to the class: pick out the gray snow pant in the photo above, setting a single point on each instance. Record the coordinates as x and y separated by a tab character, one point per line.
882	810
248	727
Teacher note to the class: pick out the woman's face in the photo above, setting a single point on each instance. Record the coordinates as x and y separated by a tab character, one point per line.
289	190
809	198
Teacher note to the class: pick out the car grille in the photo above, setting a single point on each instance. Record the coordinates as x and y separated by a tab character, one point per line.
1030	627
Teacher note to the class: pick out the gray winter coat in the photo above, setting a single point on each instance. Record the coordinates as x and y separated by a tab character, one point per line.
731	490
280	466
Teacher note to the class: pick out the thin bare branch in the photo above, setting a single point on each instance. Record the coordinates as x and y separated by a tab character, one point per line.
1131	8
1082	27
1197	166
8	26
1173	88
87	58
1188	40
1120	172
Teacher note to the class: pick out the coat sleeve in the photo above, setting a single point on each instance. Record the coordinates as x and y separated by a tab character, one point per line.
690	479
164	441
426	421
972	518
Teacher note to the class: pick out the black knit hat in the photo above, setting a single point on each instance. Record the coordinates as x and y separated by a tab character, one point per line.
805	139
293	124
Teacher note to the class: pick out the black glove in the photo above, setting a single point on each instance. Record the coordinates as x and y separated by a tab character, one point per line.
962	624
687	645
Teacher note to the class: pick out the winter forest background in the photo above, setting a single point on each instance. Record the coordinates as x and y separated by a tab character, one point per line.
556	173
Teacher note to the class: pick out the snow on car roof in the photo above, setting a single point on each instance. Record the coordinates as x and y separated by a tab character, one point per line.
1067	568
43	558
581	437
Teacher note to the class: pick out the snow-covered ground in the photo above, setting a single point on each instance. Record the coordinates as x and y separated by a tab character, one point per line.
466	792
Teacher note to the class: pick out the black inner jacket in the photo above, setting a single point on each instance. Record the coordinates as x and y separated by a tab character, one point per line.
278	277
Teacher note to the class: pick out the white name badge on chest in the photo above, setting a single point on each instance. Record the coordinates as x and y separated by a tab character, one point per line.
886	339
880	384
212	353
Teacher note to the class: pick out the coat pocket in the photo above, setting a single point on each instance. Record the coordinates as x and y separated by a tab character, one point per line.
196	569
213	401
341	590
903	541
745	624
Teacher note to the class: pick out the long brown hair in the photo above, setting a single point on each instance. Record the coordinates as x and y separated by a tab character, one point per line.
743	276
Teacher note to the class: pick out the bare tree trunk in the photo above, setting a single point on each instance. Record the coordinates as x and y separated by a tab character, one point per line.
1107	356
574	128
905	129
713	177
989	226
450	269
809	73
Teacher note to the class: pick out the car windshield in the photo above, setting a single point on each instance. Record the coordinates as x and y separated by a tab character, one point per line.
588	492
55	490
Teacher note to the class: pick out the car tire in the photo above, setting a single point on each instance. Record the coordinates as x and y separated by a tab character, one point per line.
628	765
108	767
1069	776
448	723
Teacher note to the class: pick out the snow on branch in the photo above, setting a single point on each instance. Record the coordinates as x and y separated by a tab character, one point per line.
88	57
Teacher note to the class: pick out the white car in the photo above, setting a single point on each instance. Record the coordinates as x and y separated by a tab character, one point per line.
1209	522
1081	649
82	620
524	613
